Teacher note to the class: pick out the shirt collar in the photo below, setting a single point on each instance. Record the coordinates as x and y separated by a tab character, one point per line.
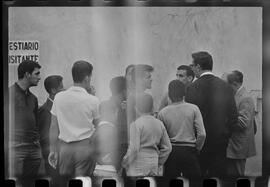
50	99
239	90
207	73
78	88
26	92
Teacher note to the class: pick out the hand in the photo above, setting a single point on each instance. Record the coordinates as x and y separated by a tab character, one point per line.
53	159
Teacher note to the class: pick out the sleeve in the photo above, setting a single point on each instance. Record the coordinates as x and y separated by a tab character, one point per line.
232	114
245	114
199	129
134	144
165	147
44	121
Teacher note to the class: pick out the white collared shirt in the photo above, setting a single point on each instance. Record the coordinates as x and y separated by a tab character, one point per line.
207	73
75	110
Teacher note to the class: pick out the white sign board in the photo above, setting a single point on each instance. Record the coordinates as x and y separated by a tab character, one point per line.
19	51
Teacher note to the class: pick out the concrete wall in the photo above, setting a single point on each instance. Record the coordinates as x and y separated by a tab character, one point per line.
114	37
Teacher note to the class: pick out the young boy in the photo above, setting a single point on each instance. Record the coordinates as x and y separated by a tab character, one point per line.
149	142
185	128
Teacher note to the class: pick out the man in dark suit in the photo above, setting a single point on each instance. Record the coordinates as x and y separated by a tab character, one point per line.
216	102
53	84
242	142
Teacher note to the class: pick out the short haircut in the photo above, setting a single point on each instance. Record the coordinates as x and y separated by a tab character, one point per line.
144	103
187	69
176	90
27	66
235	76
80	70
129	67
204	59
118	85
51	82
140	69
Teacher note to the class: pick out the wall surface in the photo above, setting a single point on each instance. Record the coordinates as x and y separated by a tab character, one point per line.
113	37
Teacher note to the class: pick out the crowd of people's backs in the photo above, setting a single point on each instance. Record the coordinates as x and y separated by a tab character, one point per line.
204	127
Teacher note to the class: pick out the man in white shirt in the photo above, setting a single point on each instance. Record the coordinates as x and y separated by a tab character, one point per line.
74	116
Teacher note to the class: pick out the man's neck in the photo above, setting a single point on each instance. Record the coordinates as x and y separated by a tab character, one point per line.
23	84
79	85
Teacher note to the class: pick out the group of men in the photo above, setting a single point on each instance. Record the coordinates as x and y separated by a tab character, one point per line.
204	127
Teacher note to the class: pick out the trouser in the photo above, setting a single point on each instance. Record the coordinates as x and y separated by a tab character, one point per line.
214	162
236	167
77	158
182	159
24	163
143	165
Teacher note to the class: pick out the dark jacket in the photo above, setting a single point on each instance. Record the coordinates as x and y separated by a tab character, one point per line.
216	102
44	116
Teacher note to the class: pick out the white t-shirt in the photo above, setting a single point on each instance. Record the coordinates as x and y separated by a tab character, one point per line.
75	110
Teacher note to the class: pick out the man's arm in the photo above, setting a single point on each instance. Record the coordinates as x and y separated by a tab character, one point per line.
232	113
165	147
54	132
199	128
246	108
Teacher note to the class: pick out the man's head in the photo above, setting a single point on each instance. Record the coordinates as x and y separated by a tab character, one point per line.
144	103
142	75
53	84
176	91
202	61
118	87
82	72
29	71
234	79
185	74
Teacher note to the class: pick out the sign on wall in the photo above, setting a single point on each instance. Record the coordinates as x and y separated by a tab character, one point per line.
22	50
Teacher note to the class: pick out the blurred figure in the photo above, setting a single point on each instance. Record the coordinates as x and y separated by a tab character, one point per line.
75	113
115	105
141	76
149	145
242	141
128	76
185	128
216	102
24	145
53	84
186	76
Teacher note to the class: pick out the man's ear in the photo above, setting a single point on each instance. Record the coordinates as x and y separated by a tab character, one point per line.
190	78
27	74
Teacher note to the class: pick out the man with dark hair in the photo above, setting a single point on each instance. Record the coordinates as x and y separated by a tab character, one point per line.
74	115
149	145
242	142
185	128
141	75
53	84
24	145
216	103
186	76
